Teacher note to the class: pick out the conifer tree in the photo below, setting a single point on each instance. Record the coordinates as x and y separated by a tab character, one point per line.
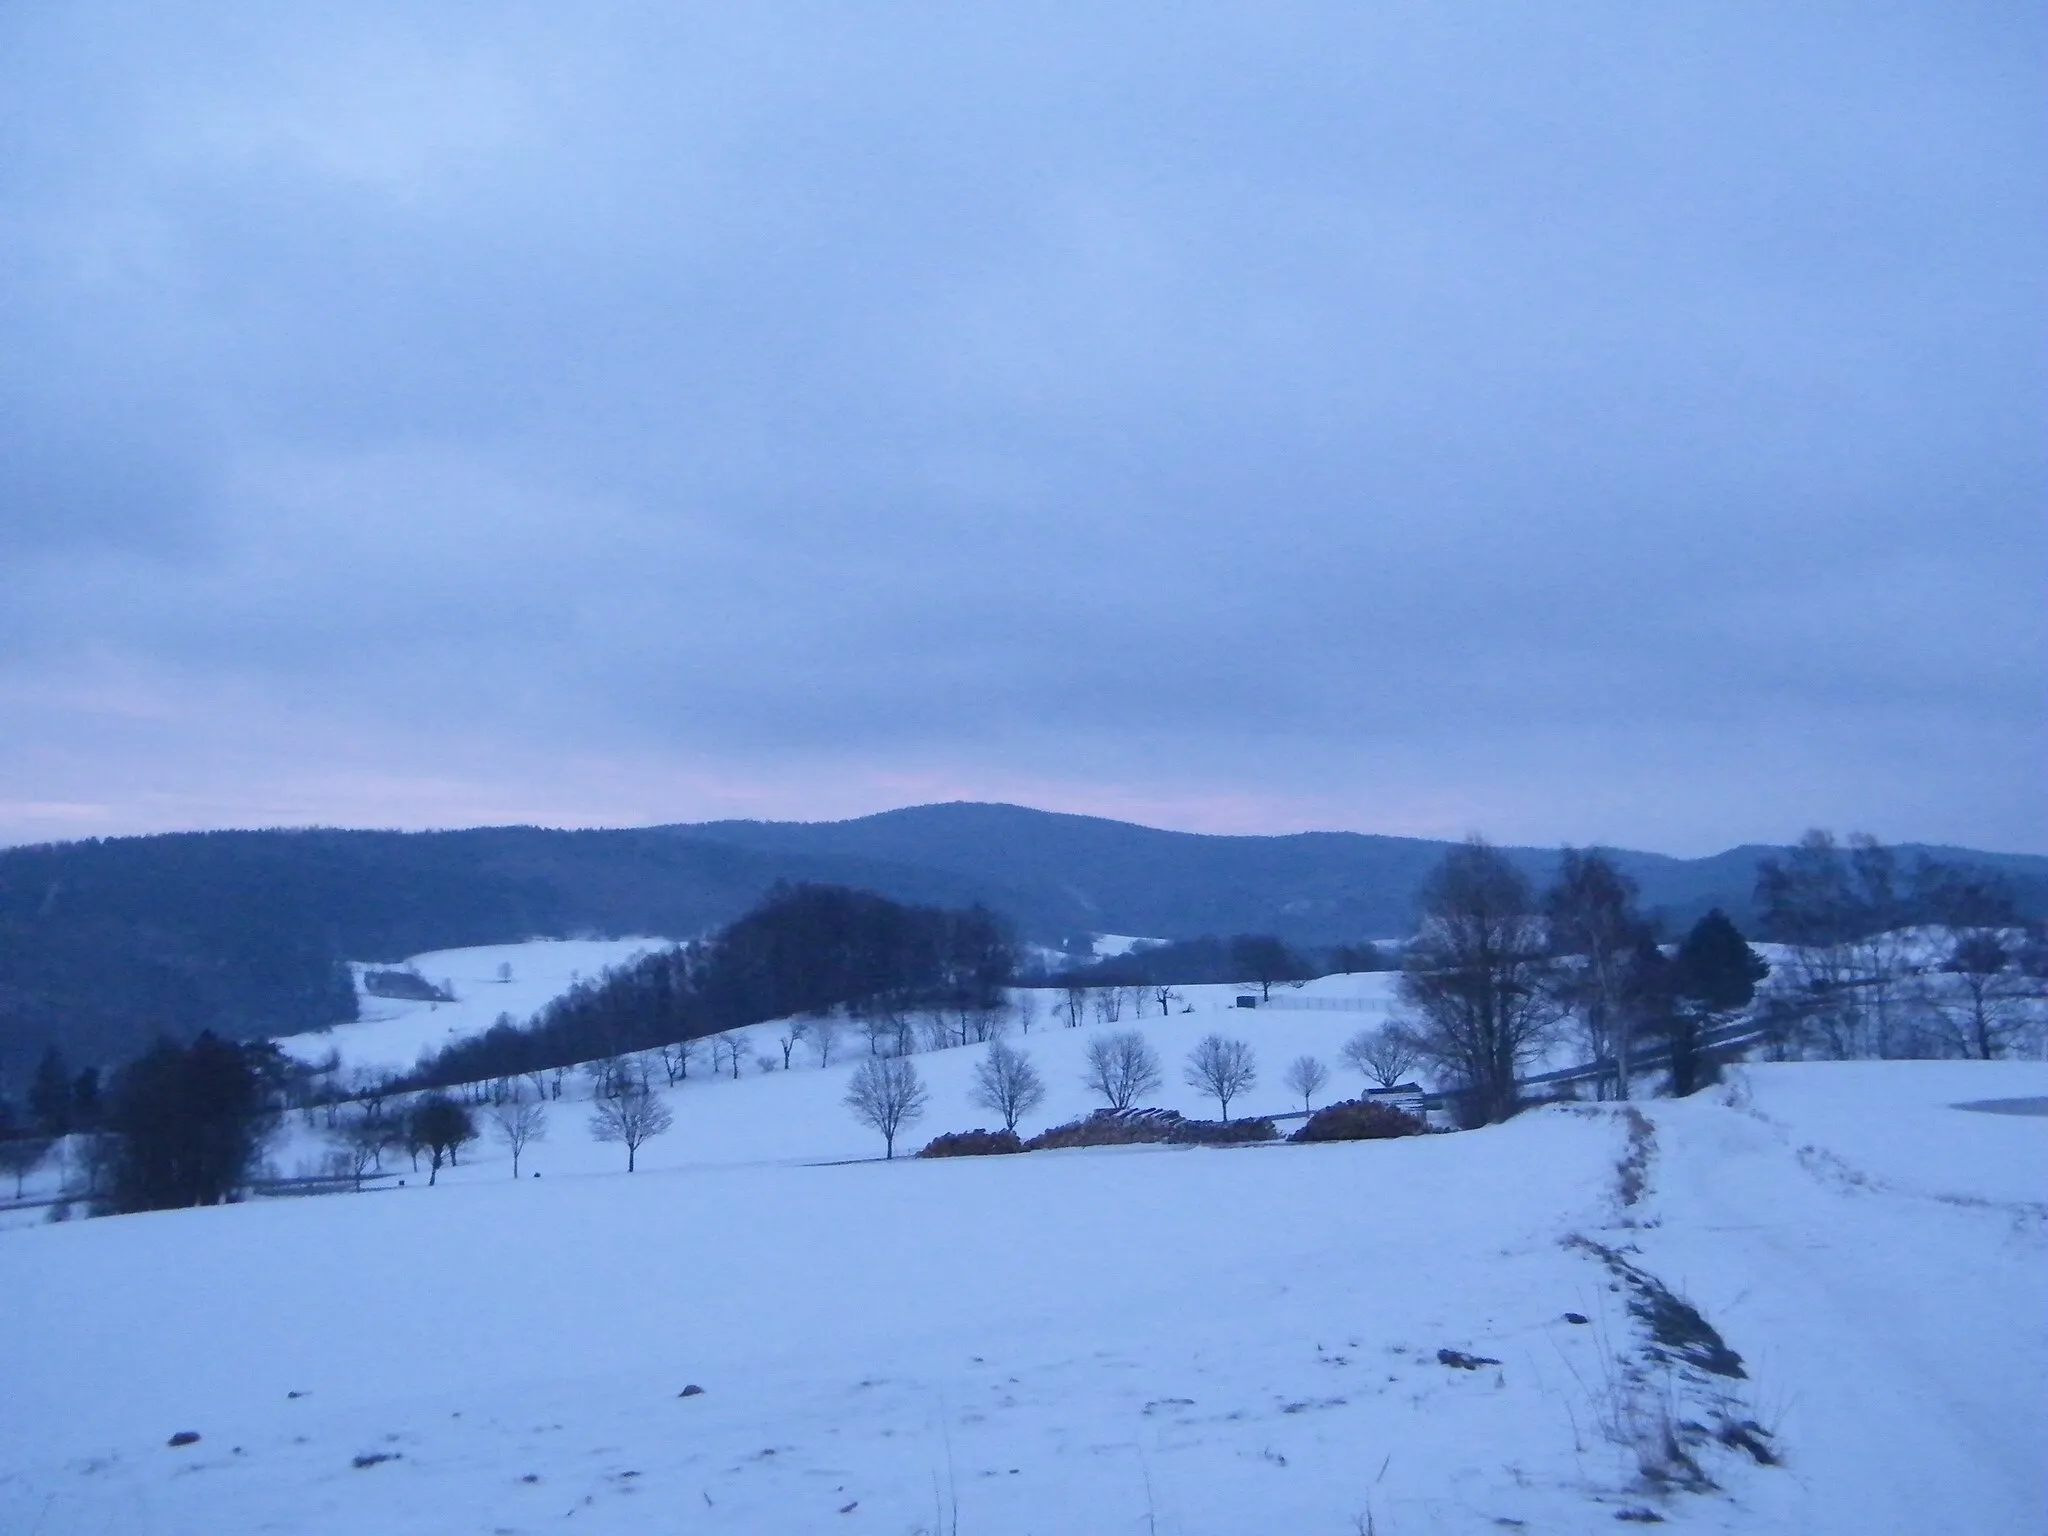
190	1121
49	1094
1716	967
1713	976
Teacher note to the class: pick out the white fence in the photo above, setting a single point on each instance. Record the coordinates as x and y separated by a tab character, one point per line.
1326	1004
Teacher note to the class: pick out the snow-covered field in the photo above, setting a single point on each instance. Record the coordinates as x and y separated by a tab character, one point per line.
1118	1340
392	1033
798	1115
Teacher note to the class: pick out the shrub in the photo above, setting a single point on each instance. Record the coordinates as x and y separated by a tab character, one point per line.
1358	1120
972	1144
1109	1128
1133	1127
1223	1133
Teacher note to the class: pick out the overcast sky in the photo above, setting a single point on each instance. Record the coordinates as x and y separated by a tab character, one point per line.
1621	424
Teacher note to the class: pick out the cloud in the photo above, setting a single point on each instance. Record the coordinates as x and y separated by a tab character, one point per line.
1592	424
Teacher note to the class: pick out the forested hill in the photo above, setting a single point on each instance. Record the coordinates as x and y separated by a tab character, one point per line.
104	943
1308	887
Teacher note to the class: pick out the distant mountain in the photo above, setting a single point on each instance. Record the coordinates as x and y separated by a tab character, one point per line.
1308	887
104	943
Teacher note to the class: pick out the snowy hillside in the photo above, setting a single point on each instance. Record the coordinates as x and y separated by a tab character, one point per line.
520	979
1120	1340
798	1114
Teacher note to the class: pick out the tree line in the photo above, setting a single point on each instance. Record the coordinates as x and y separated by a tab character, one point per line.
1927	961
804	950
1885	959
1258	959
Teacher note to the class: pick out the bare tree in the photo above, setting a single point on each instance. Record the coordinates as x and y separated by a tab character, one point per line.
1165	995
903	1031
359	1141
824	1034
1985	1001
92	1158
675	1060
1477	977
1109	1004
609	1076
964	1016
990	1016
794	1033
1844	912
1027	1008
634	1117
516	1123
879	1028
886	1094
21	1156
1262	958
1306	1076
323	1088
369	1088
1073	1003
1386	1055
1592	922
1008	1084
1221	1069
1120	1067
731	1049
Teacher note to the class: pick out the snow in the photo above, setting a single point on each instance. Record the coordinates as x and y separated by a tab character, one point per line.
1111	946
1134	1339
392	1033
1159	1339
1882	1255
1902	1124
798	1116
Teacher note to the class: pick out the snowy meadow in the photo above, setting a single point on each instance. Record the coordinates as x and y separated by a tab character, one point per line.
1806	1300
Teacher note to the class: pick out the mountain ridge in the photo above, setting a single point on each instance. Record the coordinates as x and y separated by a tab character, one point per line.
106	942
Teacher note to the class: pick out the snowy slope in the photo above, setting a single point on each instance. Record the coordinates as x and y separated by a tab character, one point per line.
393	1033
1146	1339
799	1115
1882	1255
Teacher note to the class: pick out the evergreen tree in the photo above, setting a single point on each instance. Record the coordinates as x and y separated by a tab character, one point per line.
49	1094
1713	976
1648	995
1716	968
85	1100
190	1119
